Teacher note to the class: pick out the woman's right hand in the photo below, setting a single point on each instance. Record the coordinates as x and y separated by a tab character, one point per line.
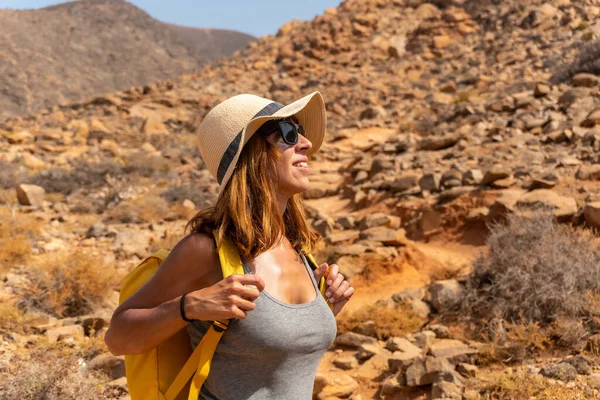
229	298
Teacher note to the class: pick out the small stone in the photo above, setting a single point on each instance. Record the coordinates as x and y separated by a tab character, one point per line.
446	295
495	173
353	340
467	370
441	331
446	390
589	173
343	236
189	204
400	360
64	332
402	345
30	195
113	366
591	213
368	350
449	348
428	370
404	183
585	80
341	387
472	177
541	90
430	182
424	339
346	221
434	143
441	41
387	236
346	362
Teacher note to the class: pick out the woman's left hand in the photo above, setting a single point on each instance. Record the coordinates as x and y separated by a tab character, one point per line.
338	290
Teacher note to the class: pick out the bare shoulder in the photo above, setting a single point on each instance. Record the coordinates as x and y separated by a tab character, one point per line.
194	256
192	264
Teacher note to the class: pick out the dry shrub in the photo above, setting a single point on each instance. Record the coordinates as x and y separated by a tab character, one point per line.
535	271
11	174
69	284
82	175
199	194
11	318
390	320
144	209
521	385
588	60
51	377
16	232
146	165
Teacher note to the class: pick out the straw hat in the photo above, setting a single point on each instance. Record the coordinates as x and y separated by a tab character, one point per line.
228	127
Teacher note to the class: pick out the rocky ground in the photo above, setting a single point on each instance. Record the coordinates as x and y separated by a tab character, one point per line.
445	117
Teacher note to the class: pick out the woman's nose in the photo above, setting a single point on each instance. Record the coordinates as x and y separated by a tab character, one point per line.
303	143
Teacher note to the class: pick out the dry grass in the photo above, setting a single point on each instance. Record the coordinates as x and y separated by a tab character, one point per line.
16	233
69	284
521	385
390	321
52	374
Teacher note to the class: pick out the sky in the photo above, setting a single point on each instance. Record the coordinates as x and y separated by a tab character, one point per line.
258	17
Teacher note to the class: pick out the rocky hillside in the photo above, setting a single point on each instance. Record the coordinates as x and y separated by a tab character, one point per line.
444	117
77	50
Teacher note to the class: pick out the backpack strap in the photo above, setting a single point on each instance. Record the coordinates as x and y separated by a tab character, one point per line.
322	283
198	364
231	264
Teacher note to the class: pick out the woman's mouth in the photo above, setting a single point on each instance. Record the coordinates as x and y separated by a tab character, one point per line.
301	165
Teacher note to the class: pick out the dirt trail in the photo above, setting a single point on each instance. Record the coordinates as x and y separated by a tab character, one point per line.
425	262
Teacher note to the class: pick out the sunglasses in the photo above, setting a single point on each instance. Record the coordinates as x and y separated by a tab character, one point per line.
288	130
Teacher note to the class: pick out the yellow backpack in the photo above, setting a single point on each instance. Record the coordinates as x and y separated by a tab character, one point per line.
164	372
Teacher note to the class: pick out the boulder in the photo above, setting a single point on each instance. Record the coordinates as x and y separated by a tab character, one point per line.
446	295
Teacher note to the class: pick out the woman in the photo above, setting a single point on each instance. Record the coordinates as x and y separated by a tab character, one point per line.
257	150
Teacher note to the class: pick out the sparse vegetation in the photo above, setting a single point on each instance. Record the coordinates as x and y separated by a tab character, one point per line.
395	320
16	234
11	174
69	284
147	208
538	285
50	376
521	385
588	60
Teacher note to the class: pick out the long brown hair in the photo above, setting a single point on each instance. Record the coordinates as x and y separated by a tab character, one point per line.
246	210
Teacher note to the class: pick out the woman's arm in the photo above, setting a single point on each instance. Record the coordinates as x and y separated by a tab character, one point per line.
152	314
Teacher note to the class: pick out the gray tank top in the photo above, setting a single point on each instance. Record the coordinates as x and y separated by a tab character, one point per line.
271	355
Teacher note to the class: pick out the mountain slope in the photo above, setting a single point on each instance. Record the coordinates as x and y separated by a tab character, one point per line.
73	51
